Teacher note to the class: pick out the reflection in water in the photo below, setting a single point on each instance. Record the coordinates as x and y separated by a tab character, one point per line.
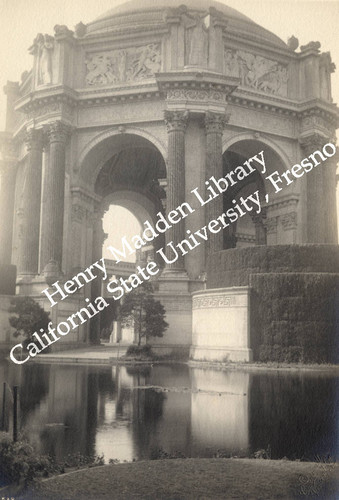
199	412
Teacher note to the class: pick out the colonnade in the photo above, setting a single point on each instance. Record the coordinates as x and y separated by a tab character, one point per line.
42	204
176	122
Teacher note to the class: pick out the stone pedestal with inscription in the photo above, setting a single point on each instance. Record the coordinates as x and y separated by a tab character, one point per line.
220	329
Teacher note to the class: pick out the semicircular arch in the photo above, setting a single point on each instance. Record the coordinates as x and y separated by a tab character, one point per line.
246	136
100	148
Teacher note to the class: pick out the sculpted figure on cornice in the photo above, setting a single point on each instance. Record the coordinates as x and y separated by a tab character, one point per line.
198	43
123	66
43	46
256	72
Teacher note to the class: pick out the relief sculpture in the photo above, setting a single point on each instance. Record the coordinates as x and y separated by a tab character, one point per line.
123	66
257	72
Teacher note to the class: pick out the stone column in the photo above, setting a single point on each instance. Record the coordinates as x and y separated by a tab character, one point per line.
214	123
330	200
98	240
315	202
8	168
28	253
260	227
52	209
176	122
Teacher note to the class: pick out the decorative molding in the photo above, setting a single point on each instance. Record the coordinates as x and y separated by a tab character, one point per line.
195	95
311	143
212	302
271	225
246	238
314	119
289	221
176	120
284	201
58	131
78	213
50	108
216	122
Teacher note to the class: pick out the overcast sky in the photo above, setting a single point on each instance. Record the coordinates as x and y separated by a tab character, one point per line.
21	20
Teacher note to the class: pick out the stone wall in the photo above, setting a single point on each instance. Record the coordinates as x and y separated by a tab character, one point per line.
294	299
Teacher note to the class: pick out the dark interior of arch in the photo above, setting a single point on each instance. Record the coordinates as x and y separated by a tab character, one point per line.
231	236
134	168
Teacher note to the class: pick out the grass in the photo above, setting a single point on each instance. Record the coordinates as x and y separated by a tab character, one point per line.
194	479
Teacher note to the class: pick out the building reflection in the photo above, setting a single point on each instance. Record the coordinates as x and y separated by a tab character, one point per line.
220	412
149	412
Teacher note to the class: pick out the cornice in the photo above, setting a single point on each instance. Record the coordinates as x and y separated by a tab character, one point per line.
165	84
250	42
286	107
119	34
45	95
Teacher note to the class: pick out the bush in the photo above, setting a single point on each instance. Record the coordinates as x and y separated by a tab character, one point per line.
140	350
29	317
20	464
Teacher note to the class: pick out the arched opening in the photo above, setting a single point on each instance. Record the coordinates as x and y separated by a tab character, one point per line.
130	186
250	229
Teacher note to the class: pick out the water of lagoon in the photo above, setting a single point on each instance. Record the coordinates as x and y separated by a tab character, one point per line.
65	409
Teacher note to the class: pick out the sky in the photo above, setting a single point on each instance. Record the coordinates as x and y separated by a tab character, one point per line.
21	20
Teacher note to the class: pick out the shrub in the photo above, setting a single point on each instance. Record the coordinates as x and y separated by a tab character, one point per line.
140	350
20	464
29	317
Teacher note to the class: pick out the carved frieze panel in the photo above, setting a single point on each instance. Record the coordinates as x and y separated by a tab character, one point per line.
271	225
256	72
289	221
50	109
123	65
195	95
213	301
78	213
317	122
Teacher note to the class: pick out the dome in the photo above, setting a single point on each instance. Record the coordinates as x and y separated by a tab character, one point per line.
201	5
145	13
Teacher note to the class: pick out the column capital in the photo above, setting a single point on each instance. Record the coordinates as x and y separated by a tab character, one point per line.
34	139
216	122
311	143
260	218
58	132
176	120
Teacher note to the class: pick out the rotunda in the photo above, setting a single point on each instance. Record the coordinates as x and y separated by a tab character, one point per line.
143	106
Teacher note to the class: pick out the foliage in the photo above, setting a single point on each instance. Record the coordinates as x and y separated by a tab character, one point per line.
140	309
30	317
144	351
20	464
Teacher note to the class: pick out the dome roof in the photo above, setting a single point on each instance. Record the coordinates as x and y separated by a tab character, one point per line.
140	5
148	12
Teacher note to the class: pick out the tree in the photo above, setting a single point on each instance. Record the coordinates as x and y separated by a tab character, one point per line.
139	308
30	317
